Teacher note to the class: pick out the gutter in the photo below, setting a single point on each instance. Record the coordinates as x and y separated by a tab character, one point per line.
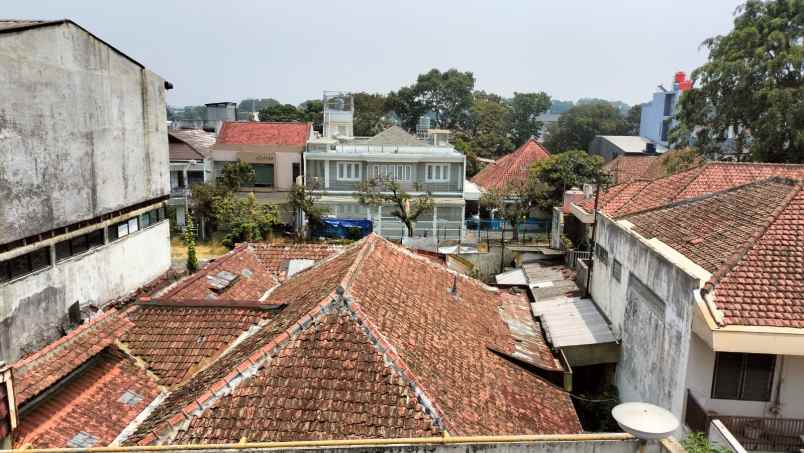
444	440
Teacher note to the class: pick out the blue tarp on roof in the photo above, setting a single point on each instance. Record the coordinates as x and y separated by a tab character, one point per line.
344	228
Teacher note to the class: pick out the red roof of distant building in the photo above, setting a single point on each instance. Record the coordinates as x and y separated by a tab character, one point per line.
264	133
750	238
511	167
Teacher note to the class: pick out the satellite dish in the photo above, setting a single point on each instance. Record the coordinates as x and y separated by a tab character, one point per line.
645	421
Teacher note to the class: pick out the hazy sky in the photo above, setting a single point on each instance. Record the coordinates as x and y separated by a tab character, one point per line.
292	50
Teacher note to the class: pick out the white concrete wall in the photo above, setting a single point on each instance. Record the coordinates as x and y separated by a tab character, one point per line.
33	307
82	131
701	371
651	309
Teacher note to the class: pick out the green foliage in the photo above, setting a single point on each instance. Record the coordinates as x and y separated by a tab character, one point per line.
460	142
578	126
370	110
632	119
382	192
563	171
406	106
557	106
447	94
202	200
242	219
489	126
679	160
698	443
525	108
236	175
513	202
255	105
280	112
303	198
312	111
751	85
189	240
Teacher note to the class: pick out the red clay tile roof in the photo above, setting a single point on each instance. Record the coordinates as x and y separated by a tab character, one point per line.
93	404
253	279
275	257
699	181
39	371
628	167
511	167
437	343
175	341
264	133
751	238
329	382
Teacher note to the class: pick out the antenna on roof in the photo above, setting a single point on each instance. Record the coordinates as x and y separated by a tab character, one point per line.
454	289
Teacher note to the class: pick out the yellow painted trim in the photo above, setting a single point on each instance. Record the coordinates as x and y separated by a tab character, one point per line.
441	440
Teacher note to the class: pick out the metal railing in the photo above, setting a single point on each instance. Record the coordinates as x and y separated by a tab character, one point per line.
696	417
572	256
766	433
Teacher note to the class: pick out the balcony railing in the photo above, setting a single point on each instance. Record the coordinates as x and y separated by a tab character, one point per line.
754	433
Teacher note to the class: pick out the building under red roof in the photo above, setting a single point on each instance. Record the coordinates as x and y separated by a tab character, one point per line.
353	347
512	167
264	133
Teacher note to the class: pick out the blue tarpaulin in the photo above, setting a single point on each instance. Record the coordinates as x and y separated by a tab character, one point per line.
344	228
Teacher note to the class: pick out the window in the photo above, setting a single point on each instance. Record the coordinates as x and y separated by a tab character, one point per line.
602	254
263	175
24	264
126	227
739	376
79	244
393	172
437	173
616	270
349	171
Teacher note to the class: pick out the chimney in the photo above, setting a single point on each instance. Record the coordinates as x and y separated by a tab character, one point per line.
8	407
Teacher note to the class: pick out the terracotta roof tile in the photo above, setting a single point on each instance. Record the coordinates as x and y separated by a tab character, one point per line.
39	371
253	279
102	402
264	133
174	341
329	382
629	167
275	257
511	167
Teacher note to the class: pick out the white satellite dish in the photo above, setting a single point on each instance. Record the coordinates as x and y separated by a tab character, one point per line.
645	421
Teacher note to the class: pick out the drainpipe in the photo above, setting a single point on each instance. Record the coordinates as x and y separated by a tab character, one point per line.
776	407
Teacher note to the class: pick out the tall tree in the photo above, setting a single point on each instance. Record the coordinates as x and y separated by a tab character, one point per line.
313	112
406	106
242	219
236	175
305	198
447	94
751	86
383	192
369	112
633	118
526	108
286	112
578	126
513	202
256	104
189	240
561	172
488	129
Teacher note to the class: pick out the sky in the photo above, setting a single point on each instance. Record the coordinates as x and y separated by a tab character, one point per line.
294	50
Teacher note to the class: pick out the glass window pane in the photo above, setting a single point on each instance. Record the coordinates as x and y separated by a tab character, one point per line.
63	250
758	377
19	266
95	238
4	277
78	245
122	229
264	175
145	219
40	259
429	172
726	383
133	225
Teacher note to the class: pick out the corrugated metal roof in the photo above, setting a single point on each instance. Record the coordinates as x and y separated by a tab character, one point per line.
514	277
572	321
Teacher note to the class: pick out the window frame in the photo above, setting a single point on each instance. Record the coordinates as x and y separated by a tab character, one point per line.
396	172
742	376
430	173
352	168
28	260
616	270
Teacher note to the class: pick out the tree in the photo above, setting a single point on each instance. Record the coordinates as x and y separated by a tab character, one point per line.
406	106
578	126
447	94
313	112
370	110
381	192
284	113
242	219
526	108
489	127
561	172
189	240
461	143
513	202
699	443
751	86
236	175
304	198
632	119
255	105
557	106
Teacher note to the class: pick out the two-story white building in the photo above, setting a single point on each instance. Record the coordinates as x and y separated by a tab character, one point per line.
341	162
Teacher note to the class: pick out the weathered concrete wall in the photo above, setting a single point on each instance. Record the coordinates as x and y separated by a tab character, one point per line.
651	308
589	446
82	131
34	308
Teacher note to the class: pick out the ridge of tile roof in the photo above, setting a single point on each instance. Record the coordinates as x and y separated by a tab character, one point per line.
364	282
394	135
50	364
513	167
275	257
264	133
750	239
